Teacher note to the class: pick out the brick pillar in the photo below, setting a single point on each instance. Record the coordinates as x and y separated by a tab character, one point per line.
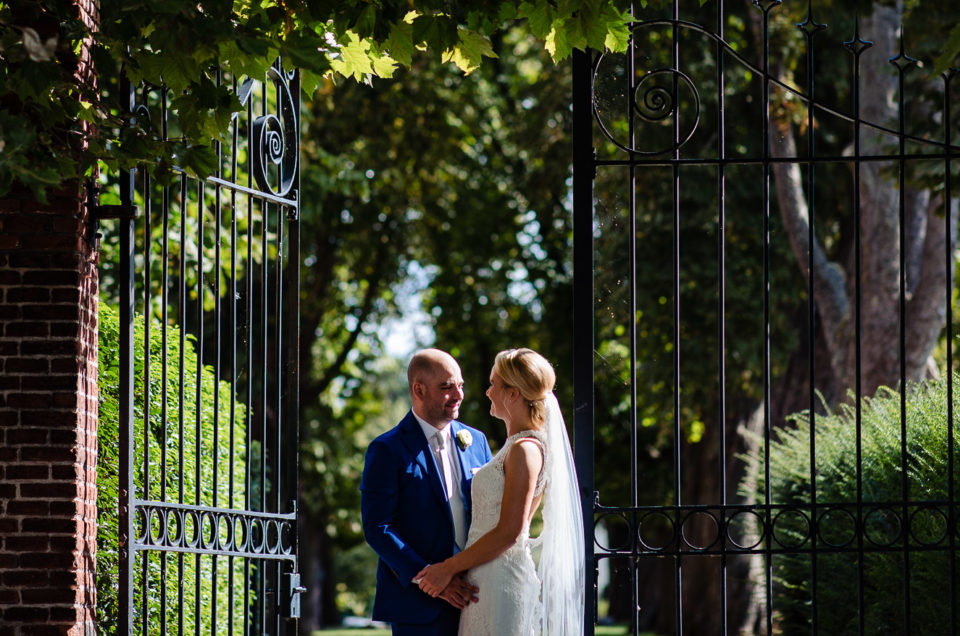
48	417
48	407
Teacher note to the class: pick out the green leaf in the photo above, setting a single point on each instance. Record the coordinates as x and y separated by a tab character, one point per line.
951	49
437	32
383	65
575	32
469	53
507	12
366	21
354	58
557	43
593	28
303	49
199	160
400	43
540	17
618	30
243	63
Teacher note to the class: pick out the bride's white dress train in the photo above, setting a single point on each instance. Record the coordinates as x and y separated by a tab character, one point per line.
509	596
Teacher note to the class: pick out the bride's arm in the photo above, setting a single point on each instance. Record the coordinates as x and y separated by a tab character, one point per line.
521	469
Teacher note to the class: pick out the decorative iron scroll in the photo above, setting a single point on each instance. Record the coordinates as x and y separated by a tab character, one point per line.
640	119
217	531
275	138
657	99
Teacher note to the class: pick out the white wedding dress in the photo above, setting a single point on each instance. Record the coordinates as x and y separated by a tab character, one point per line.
509	596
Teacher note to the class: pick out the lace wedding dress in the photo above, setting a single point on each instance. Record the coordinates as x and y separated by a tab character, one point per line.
509	587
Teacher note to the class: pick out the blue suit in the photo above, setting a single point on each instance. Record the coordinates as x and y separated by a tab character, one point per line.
407	520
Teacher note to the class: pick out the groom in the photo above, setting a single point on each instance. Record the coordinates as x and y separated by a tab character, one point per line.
415	498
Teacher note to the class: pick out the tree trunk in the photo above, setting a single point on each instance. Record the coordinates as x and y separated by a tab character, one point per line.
923	244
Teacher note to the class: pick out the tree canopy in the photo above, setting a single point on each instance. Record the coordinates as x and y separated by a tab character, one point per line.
57	126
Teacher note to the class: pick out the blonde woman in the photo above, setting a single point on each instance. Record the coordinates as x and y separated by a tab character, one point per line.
517	595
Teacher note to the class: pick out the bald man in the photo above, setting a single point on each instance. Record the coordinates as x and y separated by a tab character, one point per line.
415	498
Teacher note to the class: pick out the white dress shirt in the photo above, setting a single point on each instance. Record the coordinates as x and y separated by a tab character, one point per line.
451	487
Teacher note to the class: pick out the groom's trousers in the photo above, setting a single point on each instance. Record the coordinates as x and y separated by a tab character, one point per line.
446	624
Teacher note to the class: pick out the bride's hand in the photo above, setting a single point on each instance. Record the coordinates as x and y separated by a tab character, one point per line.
433	579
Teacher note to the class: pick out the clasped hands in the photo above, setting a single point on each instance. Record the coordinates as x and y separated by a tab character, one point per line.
452	587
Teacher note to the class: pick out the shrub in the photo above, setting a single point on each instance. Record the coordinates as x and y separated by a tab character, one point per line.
197	600
883	530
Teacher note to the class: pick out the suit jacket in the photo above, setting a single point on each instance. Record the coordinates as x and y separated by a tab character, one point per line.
406	516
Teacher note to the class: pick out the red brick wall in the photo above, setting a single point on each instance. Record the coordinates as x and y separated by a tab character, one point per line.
48	417
48	409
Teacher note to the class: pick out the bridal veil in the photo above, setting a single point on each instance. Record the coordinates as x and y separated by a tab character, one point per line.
561	566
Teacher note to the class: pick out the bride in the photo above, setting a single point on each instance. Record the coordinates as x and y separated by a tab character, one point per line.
516	596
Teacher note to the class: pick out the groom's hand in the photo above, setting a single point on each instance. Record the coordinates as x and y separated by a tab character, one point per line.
459	592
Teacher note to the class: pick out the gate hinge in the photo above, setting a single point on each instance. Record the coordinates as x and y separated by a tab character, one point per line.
290	591
123	211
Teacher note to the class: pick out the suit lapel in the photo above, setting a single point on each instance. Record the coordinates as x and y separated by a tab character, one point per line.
419	447
463	463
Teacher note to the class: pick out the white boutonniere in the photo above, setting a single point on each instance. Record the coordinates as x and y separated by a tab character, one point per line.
464	439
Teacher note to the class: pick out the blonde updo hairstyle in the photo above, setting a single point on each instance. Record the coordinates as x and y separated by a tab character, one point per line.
530	373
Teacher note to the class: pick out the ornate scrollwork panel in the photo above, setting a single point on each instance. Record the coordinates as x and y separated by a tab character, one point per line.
644	105
275	144
745	529
220	531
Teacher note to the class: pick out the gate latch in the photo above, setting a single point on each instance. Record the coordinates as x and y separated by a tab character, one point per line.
290	591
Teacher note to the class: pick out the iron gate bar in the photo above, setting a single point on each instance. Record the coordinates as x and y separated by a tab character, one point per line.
902	302
126	343
181	386
767	429
234	324
675	304
675	336
810	28
290	357
584	171
248	496
857	46
722	290
632	209
948	264
219	360
266	196
165	259
147	315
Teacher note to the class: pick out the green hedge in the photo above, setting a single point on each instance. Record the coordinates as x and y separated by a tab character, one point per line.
108	469
883	567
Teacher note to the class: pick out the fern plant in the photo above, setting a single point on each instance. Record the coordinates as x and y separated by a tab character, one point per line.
900	559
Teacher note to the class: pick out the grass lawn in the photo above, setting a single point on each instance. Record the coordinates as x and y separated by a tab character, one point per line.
601	631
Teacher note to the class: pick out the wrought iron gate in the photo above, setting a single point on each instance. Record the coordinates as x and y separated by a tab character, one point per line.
209	309
684	160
